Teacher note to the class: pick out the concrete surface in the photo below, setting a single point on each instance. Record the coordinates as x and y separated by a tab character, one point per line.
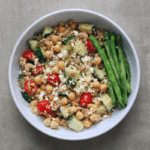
133	132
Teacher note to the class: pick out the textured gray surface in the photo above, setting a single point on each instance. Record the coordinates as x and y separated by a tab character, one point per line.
133	132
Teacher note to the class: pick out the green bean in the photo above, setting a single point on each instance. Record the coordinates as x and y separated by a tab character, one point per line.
122	69
113	50
112	63
118	104
108	68
106	37
127	67
111	90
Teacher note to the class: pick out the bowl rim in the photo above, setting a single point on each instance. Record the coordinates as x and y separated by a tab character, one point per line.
96	14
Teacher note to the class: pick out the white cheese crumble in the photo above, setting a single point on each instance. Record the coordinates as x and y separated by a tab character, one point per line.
72	44
41	95
36	61
59	42
62	78
86	58
75	32
48	71
56	98
105	81
62	54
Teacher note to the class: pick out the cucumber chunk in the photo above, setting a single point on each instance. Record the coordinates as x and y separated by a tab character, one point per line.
47	31
64	111
72	73
72	83
33	44
99	73
106	99
84	27
68	39
101	109
67	47
26	97
39	54
80	49
75	124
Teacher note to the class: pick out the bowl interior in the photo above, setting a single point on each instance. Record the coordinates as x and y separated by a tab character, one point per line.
80	16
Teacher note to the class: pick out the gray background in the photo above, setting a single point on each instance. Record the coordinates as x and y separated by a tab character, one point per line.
133	132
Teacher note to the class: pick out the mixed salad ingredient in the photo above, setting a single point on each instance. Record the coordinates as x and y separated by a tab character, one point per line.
74	75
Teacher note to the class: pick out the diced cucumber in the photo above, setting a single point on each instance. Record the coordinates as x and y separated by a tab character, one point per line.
33	44
75	124
68	39
39	54
21	80
47	31
72	83
67	47
38	36
84	27
99	73
101	109
80	49
106	99
26	96
61	94
72	73
64	111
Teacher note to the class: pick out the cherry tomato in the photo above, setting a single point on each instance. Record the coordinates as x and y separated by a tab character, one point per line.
44	106
37	70
28	54
85	99
30	86
53	79
52	114
90	46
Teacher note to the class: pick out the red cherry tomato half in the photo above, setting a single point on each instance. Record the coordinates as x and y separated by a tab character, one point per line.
85	99
28	54
52	114
37	70
90	46
53	79
30	86
44	106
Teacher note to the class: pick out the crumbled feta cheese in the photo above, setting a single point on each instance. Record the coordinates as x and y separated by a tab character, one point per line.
60	34
52	63
24	71
62	78
105	81
86	58
55	98
72	44
90	90
46	98
62	54
59	42
74	55
91	69
48	71
75	33
45	77
41	95
36	61
60	72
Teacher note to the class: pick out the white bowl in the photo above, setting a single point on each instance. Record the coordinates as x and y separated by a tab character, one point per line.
52	19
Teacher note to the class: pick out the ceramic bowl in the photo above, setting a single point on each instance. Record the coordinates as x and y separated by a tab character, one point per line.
53	19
